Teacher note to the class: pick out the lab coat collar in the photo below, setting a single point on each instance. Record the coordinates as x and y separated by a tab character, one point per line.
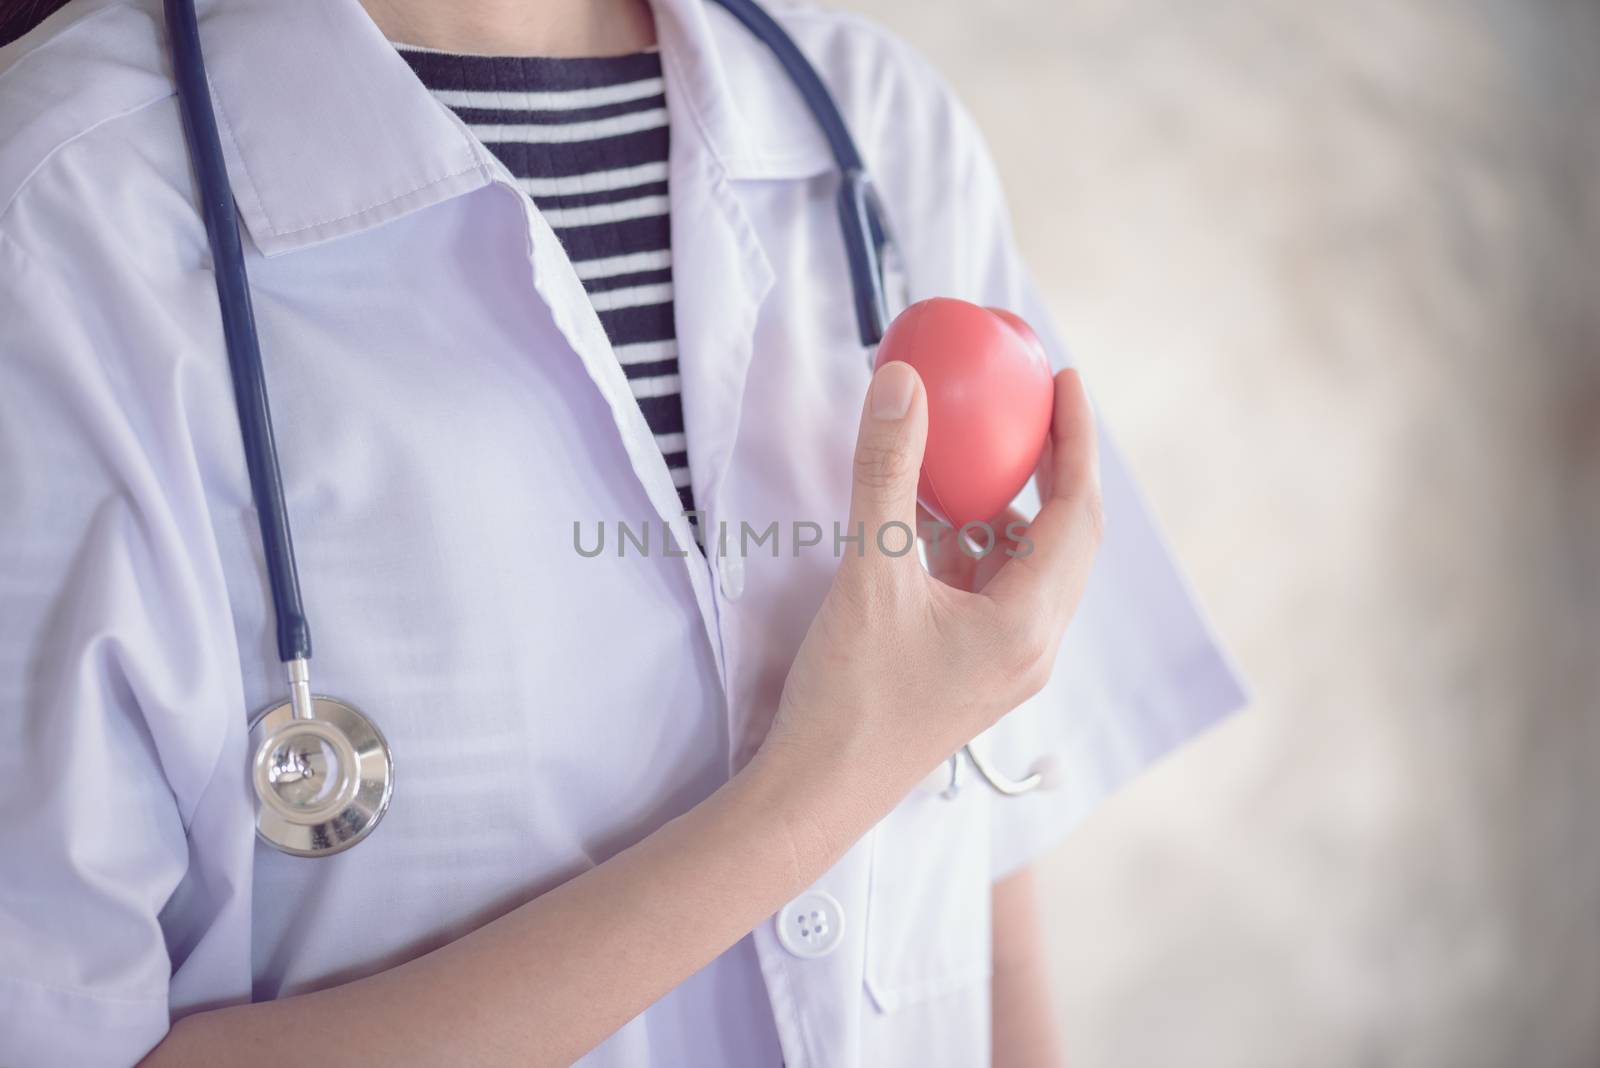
327	132
764	131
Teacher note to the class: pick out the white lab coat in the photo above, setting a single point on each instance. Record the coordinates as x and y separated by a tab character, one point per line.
447	408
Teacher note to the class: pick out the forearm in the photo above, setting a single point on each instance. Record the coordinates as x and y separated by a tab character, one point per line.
549	980
1024	1028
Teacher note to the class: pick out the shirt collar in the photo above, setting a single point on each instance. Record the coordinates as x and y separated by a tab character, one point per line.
328	132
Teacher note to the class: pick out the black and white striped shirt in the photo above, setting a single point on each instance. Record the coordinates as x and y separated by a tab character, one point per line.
587	139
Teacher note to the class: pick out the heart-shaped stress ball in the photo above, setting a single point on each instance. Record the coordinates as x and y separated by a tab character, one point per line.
990	399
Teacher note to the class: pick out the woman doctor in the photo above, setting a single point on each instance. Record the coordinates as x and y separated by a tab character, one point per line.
650	808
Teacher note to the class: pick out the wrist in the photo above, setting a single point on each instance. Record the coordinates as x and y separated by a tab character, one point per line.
816	805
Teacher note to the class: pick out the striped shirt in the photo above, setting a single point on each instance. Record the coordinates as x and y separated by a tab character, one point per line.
587	140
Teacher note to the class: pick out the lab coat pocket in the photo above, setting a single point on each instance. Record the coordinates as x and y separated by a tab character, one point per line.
928	906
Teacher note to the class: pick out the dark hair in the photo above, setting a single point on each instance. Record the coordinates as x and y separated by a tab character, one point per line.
17	17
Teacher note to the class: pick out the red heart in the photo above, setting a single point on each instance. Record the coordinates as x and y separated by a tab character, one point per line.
990	399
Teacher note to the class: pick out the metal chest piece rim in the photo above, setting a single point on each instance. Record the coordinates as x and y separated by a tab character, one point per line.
323	782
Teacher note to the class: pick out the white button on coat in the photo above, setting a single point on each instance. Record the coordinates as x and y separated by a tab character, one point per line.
812	925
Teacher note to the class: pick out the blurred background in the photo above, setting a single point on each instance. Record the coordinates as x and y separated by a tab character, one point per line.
1333	271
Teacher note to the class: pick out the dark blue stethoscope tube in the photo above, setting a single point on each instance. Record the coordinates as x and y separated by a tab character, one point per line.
865	234
238	328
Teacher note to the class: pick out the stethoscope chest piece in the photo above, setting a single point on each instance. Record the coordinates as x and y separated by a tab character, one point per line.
323	781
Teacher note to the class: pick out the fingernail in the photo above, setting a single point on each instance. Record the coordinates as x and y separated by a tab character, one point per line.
892	387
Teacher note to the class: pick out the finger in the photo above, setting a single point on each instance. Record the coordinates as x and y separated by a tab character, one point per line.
1046	581
942	551
1044	476
1010	541
1070	462
883	495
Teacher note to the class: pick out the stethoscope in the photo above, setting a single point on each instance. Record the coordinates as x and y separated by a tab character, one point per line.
322	771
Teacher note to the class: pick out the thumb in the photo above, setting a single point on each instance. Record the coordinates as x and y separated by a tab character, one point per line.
883	497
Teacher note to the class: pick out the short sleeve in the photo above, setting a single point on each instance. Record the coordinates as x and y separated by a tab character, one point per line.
1138	676
1140	672
111	644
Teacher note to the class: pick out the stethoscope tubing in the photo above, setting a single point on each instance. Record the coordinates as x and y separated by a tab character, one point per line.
238	329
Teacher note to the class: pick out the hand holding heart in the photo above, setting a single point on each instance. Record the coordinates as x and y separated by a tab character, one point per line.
899	669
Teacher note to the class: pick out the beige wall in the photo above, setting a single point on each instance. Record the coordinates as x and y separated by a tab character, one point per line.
1334	270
